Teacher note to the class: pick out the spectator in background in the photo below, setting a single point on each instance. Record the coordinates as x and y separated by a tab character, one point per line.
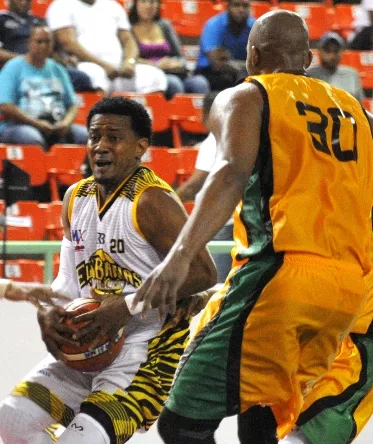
189	190
98	33
160	46
37	99
331	47
223	45
15	30
362	38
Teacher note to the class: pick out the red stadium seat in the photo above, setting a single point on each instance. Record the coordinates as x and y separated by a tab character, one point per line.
157	107
259	8
189	205
344	18
53	227
186	163
163	161
24	270
362	61
64	166
318	16
85	102
26	221
189	16
186	115
30	158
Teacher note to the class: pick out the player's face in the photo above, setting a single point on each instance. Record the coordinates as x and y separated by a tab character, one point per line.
114	149
330	56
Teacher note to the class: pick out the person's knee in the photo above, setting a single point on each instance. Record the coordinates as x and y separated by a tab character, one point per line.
106	409
20	419
174	86
23	135
197	84
79	134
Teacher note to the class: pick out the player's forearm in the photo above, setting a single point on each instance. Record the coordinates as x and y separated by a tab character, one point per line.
202	276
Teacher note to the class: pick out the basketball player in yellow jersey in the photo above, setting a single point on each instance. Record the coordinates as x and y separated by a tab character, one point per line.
298	153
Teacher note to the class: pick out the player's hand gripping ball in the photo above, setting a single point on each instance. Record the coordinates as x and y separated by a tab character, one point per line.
82	358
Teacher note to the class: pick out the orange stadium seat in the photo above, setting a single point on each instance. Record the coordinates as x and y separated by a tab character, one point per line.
85	102
259	8
318	16
362	61
368	105
30	158
186	163
186	115
189	205
163	161
344	17
26	221
24	270
189	16
157	107
53	227
64	166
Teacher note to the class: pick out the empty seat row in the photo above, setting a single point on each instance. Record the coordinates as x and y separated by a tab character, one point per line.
182	113
61	165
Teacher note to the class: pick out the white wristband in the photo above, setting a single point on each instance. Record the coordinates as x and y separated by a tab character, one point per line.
138	309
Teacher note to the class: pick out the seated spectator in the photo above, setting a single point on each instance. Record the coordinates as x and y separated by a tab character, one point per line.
189	190
363	40
160	46
15	30
37	99
331	47
222	57
98	33
362	37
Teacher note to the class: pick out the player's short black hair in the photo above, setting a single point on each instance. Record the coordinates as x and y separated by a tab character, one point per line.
121	106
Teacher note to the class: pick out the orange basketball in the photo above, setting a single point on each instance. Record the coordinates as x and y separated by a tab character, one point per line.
81	358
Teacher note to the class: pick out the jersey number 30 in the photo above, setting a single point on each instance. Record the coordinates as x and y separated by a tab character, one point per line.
338	116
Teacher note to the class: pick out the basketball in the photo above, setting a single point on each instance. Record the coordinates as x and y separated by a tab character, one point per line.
81	358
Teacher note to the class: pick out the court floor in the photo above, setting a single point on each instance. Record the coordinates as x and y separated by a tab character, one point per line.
21	348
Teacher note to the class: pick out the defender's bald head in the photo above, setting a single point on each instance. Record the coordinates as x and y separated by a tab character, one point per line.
278	41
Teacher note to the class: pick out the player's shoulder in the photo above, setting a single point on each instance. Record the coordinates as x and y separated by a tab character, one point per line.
243	96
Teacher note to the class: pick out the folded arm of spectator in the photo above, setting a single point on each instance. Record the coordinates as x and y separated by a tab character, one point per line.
66	38
130	51
6	55
12	112
61	128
